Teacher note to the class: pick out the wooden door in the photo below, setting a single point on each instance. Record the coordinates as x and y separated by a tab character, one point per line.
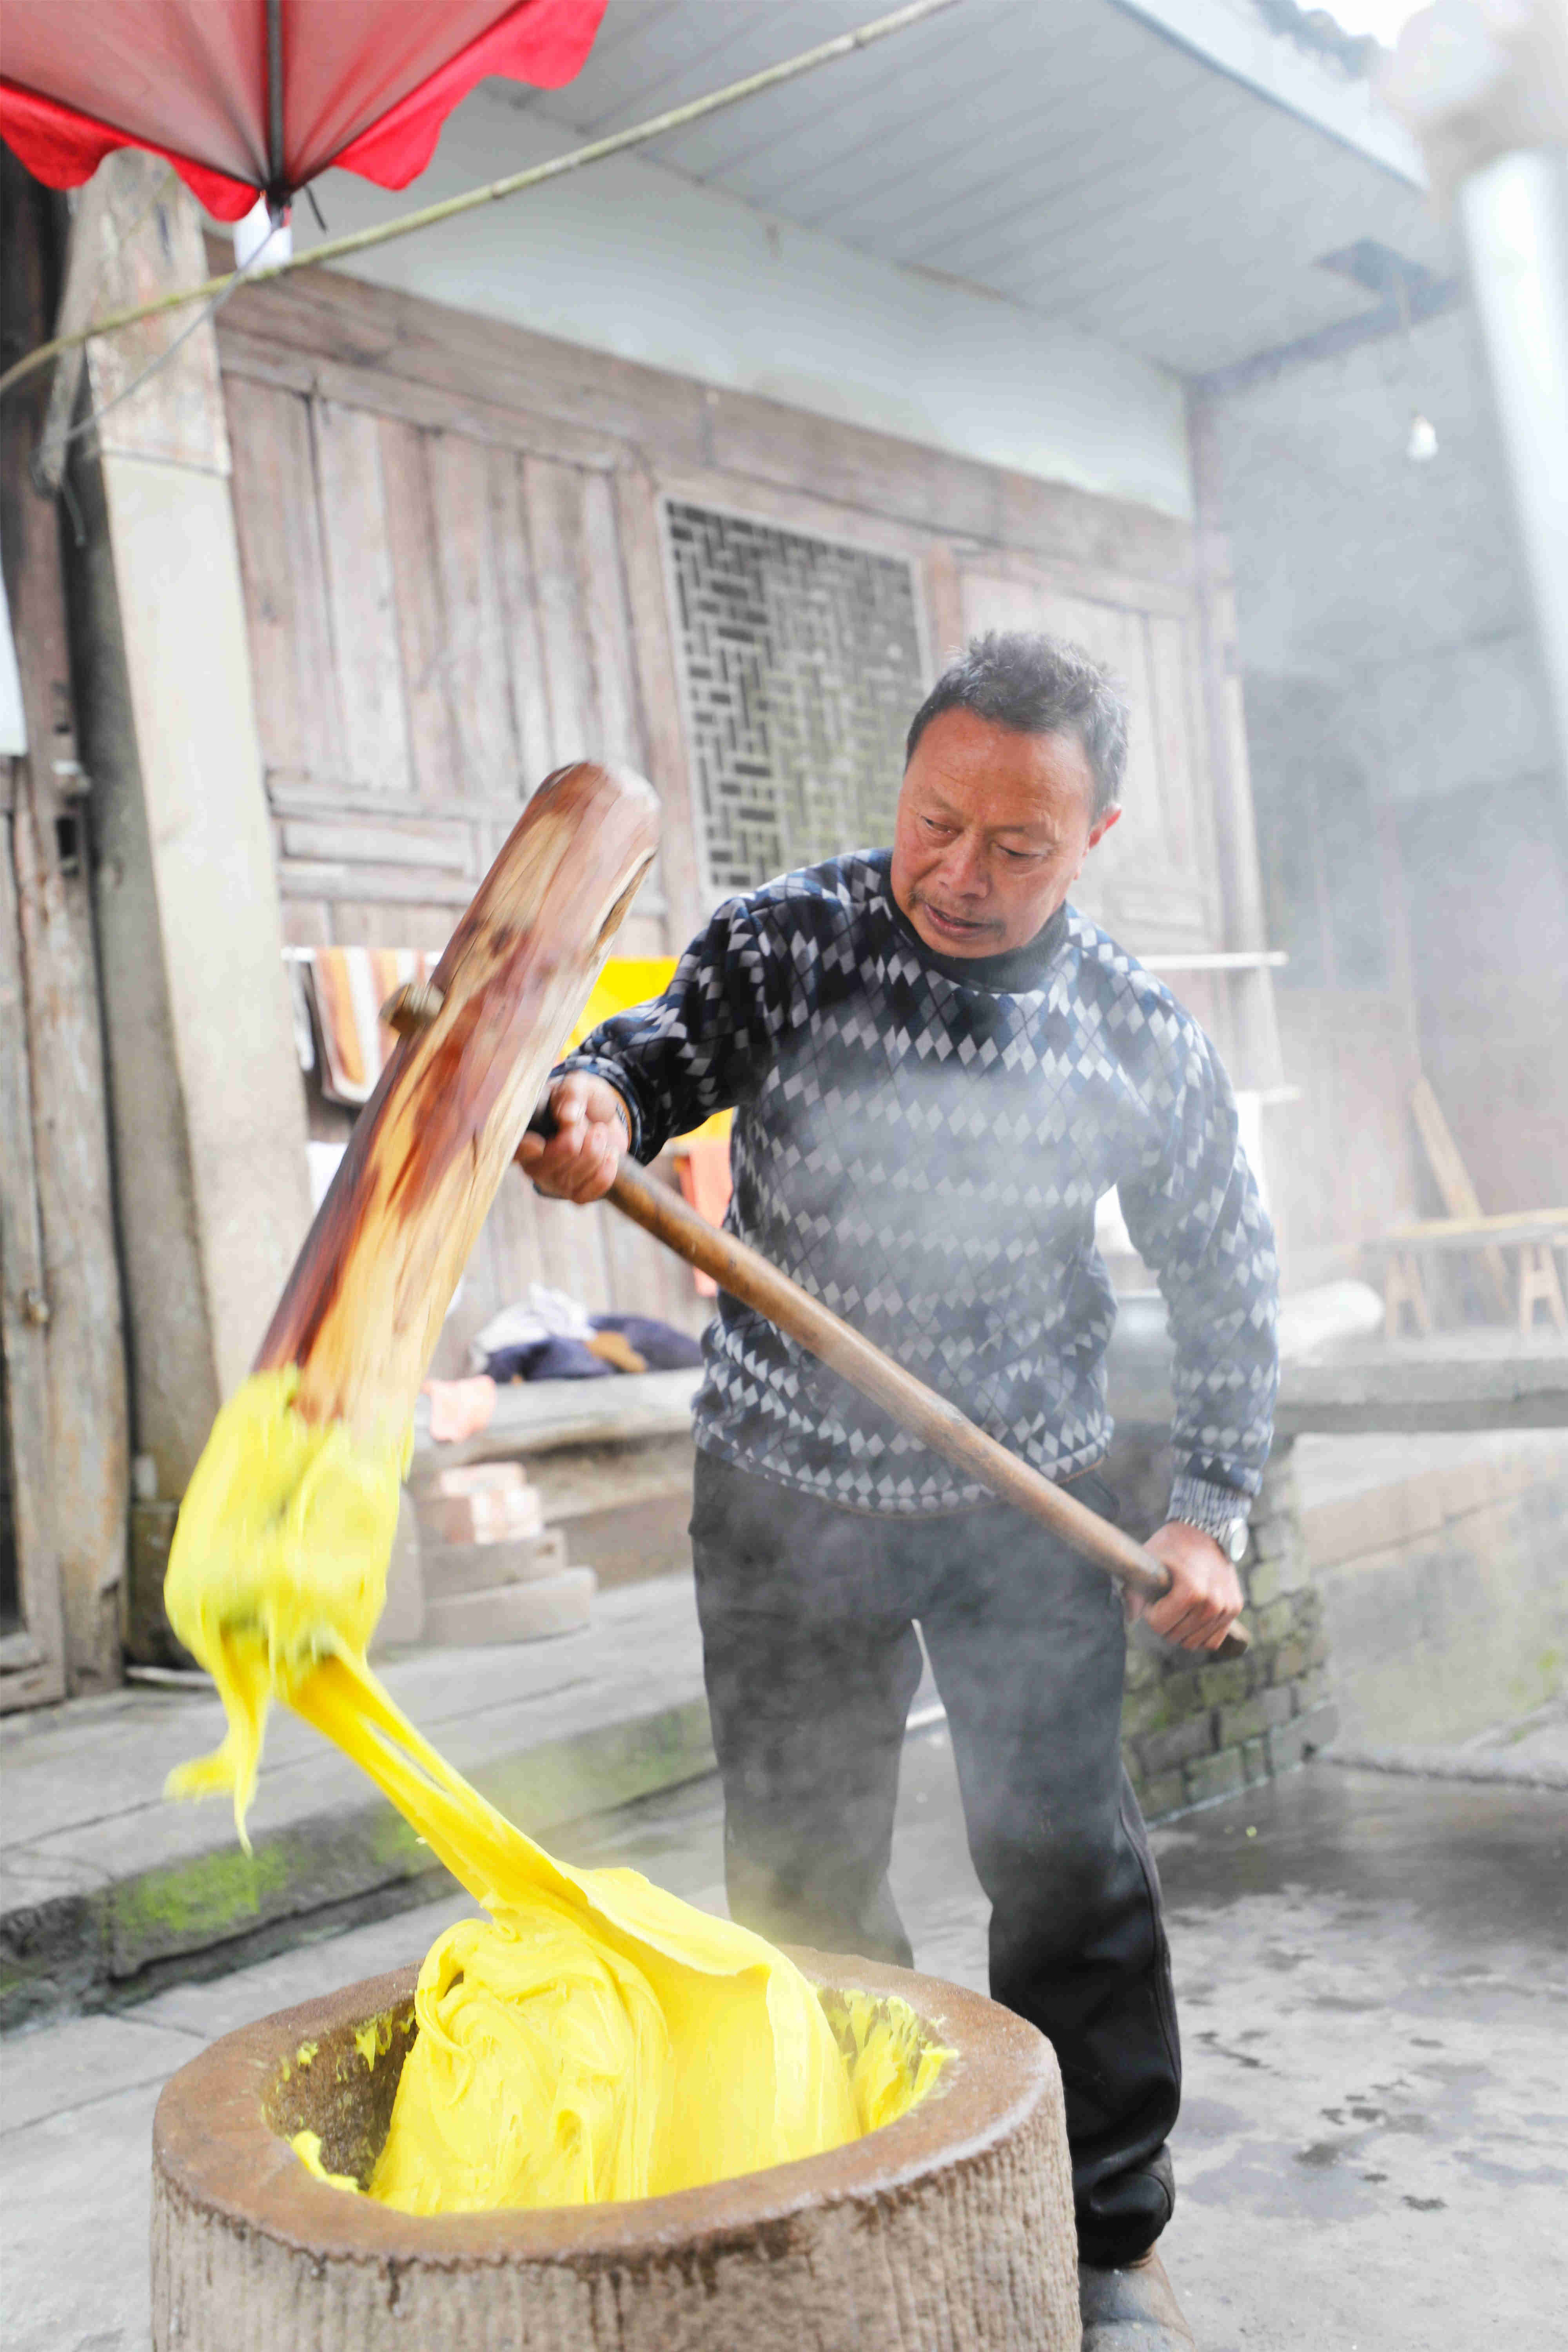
437	619
1153	881
436	622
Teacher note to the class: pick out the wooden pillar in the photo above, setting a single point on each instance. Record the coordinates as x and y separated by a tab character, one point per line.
1240	872
658	686
65	1364
208	1113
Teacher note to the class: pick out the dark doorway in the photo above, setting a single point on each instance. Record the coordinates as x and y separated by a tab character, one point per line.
10	1582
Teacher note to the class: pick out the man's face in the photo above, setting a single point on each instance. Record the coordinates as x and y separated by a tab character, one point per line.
991	831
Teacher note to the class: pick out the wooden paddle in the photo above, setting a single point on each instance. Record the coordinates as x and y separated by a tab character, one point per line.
361	1311
747	1275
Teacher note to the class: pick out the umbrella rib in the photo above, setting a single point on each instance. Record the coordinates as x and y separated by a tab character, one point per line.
638	134
274	100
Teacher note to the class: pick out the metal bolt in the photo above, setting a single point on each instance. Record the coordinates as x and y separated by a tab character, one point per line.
36	1308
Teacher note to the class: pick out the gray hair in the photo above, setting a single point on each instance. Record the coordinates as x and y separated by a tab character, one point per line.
1036	686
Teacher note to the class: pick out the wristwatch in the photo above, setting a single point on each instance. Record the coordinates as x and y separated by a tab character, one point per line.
1212	1509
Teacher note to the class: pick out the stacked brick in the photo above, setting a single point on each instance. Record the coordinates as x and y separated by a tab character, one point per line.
493	1571
1195	1732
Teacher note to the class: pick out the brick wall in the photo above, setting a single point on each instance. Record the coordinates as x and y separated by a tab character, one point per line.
1192	1732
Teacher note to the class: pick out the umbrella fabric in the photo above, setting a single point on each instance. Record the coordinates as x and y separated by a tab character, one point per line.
367	84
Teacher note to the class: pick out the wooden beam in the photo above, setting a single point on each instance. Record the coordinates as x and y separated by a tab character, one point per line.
659	687
678	424
256	359
1550	1225
1240	871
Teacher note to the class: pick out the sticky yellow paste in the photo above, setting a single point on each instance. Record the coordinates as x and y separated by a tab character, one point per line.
279	1560
591	2038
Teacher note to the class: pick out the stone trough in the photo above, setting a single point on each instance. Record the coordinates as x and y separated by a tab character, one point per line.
951	2228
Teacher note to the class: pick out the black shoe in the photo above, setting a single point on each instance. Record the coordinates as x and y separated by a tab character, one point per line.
1131	2310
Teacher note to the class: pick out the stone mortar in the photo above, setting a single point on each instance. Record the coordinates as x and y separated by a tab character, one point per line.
952	2228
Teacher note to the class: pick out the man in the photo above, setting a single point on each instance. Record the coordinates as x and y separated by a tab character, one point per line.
938	1068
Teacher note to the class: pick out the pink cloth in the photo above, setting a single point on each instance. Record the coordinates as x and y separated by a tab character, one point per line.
460	1409
702	1167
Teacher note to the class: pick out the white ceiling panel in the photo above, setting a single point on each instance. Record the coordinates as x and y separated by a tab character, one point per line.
828	116
1062	154
955	179
1063	194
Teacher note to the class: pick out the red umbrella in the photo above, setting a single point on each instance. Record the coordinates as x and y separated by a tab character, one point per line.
257	97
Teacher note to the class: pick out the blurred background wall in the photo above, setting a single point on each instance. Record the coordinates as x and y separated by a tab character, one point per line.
1411	833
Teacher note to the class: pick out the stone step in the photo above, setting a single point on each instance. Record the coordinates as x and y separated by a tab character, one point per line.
627	1541
512	1612
453	1569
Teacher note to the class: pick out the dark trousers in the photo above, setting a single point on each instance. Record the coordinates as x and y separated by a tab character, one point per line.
812	1660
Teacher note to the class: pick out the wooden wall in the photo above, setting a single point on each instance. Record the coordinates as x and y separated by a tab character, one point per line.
452	542
436	622
1154	881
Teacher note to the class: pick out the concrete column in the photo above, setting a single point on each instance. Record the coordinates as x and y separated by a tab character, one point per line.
1514	215
1485	89
207	1110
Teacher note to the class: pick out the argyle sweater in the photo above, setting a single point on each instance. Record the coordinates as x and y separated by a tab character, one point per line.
919	1142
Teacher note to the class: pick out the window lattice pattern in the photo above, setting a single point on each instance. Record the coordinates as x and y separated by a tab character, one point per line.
803	671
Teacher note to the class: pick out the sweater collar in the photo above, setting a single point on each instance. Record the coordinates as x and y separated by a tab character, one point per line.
1015	973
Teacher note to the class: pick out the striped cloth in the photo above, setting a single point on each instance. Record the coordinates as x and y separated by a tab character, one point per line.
348	987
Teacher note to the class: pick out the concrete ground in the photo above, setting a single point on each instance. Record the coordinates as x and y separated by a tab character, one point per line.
1373	2152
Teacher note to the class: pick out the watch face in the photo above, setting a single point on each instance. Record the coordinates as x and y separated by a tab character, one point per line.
1235	1540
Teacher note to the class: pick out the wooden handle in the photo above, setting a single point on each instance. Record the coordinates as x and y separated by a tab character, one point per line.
747	1275
360	1312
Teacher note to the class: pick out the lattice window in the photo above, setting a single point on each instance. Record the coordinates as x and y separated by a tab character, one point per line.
802	670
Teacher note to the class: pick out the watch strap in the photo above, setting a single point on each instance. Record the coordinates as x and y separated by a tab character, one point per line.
1213	1509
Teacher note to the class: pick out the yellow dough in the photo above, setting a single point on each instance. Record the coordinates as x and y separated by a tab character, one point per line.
279	1558
594	2037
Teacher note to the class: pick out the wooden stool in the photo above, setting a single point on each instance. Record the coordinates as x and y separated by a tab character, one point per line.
1403	1292
1539	1286
1536	1235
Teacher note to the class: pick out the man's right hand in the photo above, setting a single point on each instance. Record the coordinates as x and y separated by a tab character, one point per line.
592	1130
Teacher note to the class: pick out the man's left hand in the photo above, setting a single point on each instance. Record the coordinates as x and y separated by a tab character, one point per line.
1204	1599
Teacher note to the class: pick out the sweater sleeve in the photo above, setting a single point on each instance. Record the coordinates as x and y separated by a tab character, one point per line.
1196	1218
697	1048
